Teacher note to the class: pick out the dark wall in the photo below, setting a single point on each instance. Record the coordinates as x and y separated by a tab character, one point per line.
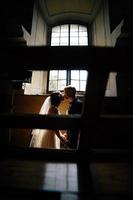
118	10
24	104
14	13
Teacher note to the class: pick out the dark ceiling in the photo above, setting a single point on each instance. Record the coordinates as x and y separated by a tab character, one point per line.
57	11
54	10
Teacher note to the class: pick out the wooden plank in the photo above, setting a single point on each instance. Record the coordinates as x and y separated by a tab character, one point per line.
112	123
11	120
104	122
69	155
46	58
94	96
120	123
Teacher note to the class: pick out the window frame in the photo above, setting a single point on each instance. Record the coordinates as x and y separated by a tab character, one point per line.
68	79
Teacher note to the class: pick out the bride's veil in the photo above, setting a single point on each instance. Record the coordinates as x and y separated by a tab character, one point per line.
44	110
46	105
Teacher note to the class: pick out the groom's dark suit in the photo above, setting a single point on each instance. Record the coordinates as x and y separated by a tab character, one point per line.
75	108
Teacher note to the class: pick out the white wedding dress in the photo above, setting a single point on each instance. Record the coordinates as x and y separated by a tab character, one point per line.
44	138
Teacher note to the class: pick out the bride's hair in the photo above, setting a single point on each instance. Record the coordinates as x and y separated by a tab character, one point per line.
70	91
56	98
53	100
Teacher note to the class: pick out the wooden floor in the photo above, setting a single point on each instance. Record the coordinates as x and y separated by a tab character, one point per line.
87	177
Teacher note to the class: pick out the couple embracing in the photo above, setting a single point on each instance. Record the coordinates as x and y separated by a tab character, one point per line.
44	138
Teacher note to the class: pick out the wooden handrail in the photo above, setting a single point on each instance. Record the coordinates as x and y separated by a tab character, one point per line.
104	122
9	120
99	61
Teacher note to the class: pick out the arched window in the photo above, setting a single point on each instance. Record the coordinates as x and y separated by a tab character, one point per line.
68	35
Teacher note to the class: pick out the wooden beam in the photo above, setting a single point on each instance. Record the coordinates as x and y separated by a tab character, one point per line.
103	123
54	122
78	57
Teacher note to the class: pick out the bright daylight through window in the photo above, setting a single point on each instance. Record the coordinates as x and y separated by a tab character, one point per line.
68	35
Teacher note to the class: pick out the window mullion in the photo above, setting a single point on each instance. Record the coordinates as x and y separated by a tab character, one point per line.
68	71
68	34
79	80
57	79
60	36
78	35
68	77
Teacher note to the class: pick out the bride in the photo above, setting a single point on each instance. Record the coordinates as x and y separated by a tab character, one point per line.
44	138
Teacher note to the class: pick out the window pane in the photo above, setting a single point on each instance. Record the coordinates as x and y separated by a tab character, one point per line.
83	41
73	34
64	41
75	74
62	74
52	85
82	28
82	34
64	34
55	42
75	84
73	28
56	29
82	85
64	28
55	35
83	75
53	75
61	84
73	41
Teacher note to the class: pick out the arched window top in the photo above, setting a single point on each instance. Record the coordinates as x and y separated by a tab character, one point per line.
69	35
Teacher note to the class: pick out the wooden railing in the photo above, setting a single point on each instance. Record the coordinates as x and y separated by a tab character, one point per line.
98	61
94	170
81	57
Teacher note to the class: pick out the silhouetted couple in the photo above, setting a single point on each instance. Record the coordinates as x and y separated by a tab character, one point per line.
44	138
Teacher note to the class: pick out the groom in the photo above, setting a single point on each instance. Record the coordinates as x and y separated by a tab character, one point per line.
75	108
